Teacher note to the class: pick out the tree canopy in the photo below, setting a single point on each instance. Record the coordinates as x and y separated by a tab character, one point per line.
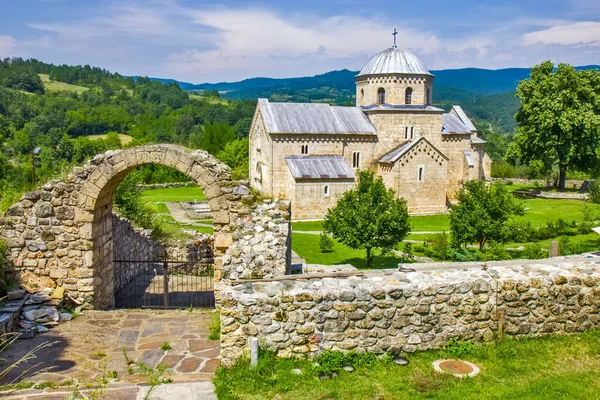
369	217
481	213
559	118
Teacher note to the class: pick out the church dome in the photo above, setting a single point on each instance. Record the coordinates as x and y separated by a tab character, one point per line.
394	61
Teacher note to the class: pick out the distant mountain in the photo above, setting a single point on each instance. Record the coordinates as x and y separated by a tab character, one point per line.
476	80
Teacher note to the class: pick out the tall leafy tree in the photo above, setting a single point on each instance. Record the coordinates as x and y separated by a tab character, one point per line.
481	213
369	217
559	118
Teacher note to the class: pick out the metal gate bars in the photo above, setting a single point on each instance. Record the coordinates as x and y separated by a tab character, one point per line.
163	284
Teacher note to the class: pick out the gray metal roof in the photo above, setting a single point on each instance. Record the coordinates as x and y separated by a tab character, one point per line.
469	158
401	150
394	61
404	107
395	154
319	167
314	118
451	124
463	117
477	140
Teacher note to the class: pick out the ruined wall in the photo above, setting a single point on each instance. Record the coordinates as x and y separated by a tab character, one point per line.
261	243
396	312
130	244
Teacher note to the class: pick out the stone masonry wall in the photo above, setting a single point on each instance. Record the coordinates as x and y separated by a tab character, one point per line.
130	244
404	312
261	243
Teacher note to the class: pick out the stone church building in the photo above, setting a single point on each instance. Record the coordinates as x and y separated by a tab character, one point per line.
310	152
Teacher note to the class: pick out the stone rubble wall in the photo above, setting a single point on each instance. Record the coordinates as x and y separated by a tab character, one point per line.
148	186
131	244
395	312
570	183
198	253
261	243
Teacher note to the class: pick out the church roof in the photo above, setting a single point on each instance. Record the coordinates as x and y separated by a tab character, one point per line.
452	125
319	167
401	150
463	117
403	107
314	118
394	61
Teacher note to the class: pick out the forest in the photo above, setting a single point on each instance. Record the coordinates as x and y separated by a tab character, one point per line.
71	126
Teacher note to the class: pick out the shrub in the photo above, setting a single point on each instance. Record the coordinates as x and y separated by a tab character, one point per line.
463	255
459	348
440	247
408	251
566	247
594	190
534	251
495	252
325	243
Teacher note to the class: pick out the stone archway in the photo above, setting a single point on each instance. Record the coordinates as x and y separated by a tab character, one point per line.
61	233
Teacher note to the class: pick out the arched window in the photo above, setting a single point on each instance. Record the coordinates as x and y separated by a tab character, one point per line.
362	93
408	96
380	96
427	99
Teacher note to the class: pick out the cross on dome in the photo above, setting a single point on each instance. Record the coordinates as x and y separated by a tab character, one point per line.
394	34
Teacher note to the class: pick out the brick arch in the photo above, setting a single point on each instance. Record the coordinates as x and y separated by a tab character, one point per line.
60	234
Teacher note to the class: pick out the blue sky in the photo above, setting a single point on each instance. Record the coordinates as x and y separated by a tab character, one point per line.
199	41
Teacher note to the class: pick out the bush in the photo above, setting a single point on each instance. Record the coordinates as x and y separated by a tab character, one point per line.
408	251
566	247
594	191
495	252
459	348
325	243
439	247
534	252
463	255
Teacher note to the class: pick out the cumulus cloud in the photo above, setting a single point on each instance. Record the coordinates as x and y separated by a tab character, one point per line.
575	33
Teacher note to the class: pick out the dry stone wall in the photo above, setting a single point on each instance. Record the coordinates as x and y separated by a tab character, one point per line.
404	312
261	243
61	234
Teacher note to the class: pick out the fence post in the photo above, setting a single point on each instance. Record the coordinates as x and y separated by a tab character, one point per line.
166	284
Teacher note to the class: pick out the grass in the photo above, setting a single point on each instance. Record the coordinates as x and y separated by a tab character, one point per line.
55	86
124	138
215	326
161	208
176	194
307	246
553	367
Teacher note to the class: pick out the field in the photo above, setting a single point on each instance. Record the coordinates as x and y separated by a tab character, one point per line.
55	86
124	138
553	367
177	194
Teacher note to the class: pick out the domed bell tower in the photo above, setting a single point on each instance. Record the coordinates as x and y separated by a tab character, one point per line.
394	78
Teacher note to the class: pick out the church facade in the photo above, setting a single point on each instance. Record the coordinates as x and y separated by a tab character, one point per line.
310	152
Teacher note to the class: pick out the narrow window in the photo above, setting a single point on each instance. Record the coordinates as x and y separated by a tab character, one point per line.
408	96
304	149
412	132
406	133
421	168
356	159
381	96
326	190
427	100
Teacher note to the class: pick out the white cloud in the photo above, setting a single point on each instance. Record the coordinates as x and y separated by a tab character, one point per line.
575	33
7	46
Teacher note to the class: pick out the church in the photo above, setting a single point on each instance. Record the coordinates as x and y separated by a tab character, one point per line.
309	153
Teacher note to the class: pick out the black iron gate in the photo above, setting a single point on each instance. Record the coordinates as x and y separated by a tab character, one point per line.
164	284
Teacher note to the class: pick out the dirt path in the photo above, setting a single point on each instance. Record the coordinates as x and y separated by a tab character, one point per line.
179	214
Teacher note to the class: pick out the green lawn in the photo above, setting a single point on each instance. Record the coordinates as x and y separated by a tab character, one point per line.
307	246
56	86
177	194
553	367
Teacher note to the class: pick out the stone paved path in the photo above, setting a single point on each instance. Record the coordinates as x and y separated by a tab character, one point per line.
179	214
95	343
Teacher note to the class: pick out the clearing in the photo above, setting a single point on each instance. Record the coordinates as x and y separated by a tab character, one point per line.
56	86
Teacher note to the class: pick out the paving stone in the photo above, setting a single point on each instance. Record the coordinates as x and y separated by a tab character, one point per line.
128	338
189	364
171	360
202	344
151	358
210	366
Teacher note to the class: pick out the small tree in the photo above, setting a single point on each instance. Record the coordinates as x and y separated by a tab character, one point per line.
325	243
369	217
481	213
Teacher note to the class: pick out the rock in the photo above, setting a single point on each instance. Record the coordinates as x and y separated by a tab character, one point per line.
65	316
324	377
15	294
58	293
35	314
400	361
40	328
297	371
348	368
43	209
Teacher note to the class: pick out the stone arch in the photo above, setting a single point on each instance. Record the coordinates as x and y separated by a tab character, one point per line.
63	230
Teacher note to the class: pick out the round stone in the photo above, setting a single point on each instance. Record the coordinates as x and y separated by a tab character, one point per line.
457	368
324	377
334	374
400	361
348	368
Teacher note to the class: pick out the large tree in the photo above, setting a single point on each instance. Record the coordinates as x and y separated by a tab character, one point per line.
481	213
559	118
368	217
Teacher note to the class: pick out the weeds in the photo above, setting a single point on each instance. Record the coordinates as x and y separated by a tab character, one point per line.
5	341
215	326
165	346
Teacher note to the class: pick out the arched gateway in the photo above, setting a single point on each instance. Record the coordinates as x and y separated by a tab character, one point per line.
61	233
